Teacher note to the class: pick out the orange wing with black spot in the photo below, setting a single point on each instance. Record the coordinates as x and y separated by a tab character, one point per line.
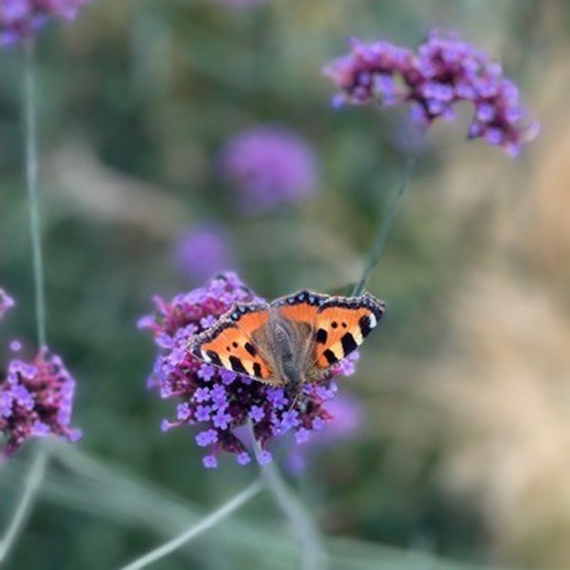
229	343
342	324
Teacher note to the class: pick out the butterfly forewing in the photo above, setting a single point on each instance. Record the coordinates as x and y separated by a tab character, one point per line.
229	344
300	307
342	324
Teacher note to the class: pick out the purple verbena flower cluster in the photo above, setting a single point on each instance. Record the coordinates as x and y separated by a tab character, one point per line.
441	72
269	166
6	302
36	400
217	401
21	18
202	252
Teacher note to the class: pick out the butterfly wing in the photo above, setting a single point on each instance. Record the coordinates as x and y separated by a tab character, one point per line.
300	310
229	343
301	307
342	324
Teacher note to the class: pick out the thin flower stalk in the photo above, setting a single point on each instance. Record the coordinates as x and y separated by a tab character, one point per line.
25	505
311	548
386	225
31	137
205	524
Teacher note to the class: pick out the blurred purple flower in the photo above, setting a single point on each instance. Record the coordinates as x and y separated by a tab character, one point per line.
6	302
36	399
202	252
347	415
218	401
441	72
21	18
269	165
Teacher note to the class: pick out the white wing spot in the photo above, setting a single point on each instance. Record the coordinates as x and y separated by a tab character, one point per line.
205	356
373	320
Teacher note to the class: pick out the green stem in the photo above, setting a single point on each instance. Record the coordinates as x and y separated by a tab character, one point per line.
31	488
30	122
313	555
38	468
197	529
386	225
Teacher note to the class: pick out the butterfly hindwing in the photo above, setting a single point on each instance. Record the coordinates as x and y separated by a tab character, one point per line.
228	343
342	324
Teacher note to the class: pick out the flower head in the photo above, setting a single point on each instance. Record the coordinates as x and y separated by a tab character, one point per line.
442	71
202	252
269	165
217	401
36	400
21	18
6	302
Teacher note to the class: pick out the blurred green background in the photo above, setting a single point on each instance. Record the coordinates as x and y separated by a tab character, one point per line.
463	452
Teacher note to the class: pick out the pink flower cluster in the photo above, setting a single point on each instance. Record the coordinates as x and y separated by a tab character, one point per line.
441	72
36	400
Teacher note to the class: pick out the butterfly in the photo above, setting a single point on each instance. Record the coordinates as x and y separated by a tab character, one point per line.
291	341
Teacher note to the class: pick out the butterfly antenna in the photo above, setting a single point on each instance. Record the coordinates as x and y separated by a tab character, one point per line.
295	400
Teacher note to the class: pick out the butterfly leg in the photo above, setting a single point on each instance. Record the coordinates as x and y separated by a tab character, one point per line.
293	391
321	376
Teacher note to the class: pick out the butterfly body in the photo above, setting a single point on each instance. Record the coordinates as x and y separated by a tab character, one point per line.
288	347
292	341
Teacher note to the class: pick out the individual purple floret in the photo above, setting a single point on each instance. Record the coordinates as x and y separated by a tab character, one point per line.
440	73
269	165
202	252
6	303
21	18
36	399
217	401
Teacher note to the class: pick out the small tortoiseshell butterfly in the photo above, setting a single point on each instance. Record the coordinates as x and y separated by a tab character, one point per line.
291	341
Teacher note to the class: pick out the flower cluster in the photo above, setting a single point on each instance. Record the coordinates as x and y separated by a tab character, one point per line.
221	402
21	18
6	302
36	400
202	252
269	166
441	72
